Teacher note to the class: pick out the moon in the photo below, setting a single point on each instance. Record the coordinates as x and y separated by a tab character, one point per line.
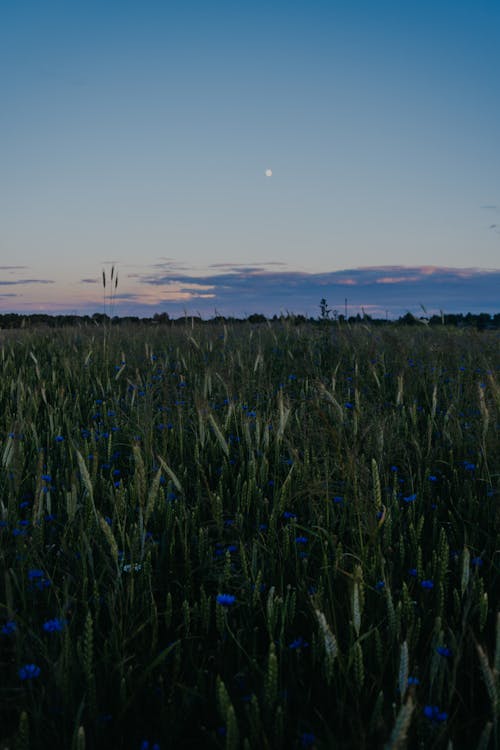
269	172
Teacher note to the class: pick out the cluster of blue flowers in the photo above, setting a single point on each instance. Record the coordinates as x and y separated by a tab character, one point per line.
226	600
29	672
38	579
54	626
9	628
435	714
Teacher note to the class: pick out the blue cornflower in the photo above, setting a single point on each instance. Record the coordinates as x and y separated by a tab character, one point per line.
9	628
435	714
301	540
412	572
410	498
289	515
146	746
29	672
35	573
413	681
432	478
477	562
443	651
427	584
225	600
54	626
348	405
379	585
46	478
298	643
59	438
38	578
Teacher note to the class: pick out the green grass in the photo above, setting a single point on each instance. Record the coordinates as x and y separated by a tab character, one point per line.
341	483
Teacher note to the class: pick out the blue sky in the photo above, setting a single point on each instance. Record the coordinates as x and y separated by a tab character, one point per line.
139	134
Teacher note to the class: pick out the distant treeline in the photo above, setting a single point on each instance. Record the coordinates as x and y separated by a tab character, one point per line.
481	321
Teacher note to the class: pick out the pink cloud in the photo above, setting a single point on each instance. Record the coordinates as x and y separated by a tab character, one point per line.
396	279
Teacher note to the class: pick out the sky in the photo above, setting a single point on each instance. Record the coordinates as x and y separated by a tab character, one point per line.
138	135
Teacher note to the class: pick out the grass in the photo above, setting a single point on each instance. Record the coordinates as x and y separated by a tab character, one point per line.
267	536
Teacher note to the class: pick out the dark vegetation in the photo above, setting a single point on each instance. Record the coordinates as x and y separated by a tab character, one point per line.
227	535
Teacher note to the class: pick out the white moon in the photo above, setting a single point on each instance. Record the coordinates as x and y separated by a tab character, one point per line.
269	172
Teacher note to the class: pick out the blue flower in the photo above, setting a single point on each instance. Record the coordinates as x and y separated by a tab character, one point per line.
146	746
9	628
443	651
379	585
477	562
427	584
38	578
225	600
35	573
59	439
410	498
29	672
54	626
301	540
412	572
298	643
413	681
289	515
435	714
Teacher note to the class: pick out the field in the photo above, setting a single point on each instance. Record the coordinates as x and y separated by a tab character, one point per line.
268	536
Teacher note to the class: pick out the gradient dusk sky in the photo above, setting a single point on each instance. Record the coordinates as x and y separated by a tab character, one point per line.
139	134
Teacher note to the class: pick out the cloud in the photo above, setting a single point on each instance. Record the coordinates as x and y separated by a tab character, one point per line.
12	268
241	290
89	281
27	281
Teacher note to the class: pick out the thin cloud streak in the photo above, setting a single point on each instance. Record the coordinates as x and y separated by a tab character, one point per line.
27	281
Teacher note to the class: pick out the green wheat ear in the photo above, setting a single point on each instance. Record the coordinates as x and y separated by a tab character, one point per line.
399	733
271	680
490	680
23	732
377	490
80	739
232	733
403	670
